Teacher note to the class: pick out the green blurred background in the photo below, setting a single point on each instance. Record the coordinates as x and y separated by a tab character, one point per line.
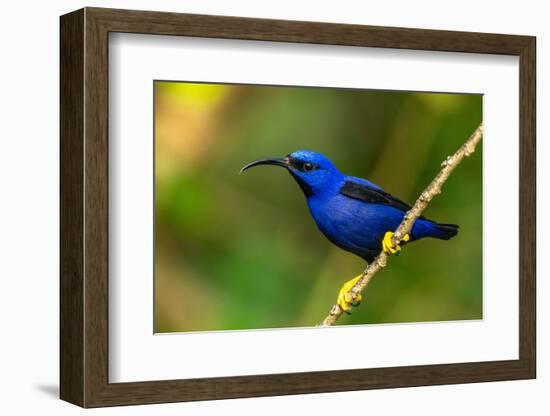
241	251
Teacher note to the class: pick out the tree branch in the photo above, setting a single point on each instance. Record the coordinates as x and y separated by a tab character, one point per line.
410	217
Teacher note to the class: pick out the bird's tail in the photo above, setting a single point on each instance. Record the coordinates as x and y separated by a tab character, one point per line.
446	231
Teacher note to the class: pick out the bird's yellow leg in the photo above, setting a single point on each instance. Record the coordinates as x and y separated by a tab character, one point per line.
344	298
387	245
345	301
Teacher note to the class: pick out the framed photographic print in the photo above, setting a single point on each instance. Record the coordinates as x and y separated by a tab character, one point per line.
255	207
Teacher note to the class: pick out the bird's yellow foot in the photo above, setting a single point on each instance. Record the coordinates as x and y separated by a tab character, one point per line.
345	301
387	245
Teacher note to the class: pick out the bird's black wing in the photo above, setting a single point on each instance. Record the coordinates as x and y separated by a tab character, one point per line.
365	193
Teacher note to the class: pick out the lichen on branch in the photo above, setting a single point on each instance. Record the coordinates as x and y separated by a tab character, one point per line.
380	262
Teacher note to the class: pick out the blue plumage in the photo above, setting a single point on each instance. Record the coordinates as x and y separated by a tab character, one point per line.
351	212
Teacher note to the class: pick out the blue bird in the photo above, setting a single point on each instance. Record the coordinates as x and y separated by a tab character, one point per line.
353	213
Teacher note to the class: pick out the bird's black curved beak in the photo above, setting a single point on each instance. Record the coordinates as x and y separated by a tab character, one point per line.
280	161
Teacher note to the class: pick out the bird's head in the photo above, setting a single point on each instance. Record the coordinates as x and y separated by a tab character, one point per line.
314	172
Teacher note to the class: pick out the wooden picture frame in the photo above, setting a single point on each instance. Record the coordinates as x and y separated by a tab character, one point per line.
84	207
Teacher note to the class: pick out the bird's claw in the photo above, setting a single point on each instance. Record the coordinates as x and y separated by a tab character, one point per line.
345	300
388	246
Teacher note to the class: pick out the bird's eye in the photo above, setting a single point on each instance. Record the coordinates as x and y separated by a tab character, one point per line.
308	167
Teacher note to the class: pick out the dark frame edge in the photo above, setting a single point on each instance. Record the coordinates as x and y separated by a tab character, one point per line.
71	336
528	207
294	31
172	391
